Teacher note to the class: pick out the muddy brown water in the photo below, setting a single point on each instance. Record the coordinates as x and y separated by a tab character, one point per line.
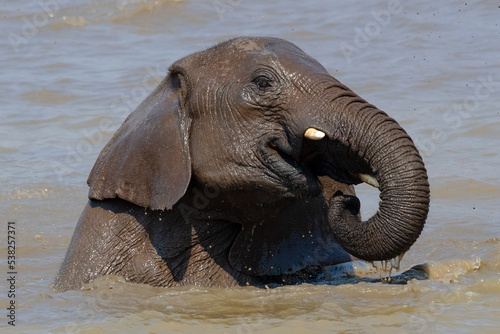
73	70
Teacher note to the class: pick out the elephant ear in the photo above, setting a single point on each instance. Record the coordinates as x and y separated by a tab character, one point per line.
147	161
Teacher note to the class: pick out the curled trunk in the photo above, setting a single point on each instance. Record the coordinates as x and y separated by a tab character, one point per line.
370	145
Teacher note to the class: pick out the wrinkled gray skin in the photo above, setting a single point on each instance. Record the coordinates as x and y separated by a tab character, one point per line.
212	181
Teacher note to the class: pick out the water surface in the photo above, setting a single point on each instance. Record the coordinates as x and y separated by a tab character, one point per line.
73	71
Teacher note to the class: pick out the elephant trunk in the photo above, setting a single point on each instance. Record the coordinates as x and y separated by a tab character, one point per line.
371	147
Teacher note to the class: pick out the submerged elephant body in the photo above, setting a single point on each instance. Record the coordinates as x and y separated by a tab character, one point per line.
239	169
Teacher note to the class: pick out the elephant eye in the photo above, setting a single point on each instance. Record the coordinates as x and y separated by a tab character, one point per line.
263	82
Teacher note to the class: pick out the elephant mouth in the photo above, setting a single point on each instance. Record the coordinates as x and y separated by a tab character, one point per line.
289	166
299	168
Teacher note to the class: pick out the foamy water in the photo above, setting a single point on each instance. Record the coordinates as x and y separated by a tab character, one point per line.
72	71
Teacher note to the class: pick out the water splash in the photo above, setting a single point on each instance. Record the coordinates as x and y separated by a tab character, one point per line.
450	271
385	268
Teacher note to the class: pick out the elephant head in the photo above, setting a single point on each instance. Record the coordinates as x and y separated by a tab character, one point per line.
284	142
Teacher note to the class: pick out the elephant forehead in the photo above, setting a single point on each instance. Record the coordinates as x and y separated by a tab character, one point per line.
281	53
257	47
243	51
235	59
253	44
236	51
247	44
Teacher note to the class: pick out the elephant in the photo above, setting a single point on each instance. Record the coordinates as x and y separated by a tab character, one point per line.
239	169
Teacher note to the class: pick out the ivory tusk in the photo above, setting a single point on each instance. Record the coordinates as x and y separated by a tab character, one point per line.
314	134
370	179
